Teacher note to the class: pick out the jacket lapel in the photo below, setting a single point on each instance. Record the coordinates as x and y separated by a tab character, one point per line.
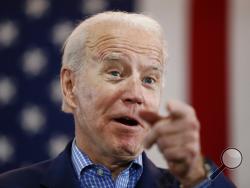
61	172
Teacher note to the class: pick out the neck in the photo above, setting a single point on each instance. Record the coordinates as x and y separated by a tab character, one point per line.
113	163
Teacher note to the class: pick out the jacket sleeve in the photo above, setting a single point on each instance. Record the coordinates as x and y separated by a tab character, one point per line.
219	181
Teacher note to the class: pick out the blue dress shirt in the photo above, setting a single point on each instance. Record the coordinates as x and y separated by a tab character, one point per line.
98	176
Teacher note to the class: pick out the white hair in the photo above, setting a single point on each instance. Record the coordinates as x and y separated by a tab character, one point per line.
74	47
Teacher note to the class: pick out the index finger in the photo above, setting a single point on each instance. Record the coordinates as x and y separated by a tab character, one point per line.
179	109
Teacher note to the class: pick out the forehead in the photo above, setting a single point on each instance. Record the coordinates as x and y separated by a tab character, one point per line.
120	37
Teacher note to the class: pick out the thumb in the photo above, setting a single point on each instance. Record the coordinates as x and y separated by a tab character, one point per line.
150	118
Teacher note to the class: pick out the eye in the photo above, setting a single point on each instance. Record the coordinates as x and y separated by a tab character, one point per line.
115	73
148	80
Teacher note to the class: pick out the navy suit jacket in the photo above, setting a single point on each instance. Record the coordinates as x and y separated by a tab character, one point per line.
60	173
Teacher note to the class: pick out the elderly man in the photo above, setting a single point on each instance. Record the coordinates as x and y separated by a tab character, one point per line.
111	81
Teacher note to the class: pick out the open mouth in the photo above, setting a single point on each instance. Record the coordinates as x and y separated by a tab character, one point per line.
127	121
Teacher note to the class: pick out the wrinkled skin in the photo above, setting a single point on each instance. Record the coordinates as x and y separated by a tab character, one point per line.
122	76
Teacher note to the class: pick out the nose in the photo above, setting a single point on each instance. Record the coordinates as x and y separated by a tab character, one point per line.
133	93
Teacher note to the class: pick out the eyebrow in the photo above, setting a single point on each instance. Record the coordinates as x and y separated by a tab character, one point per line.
120	56
158	68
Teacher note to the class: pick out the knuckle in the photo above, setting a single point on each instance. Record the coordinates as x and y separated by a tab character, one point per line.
188	137
190	150
192	137
193	123
193	149
195	137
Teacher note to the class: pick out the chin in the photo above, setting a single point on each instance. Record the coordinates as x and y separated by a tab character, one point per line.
129	149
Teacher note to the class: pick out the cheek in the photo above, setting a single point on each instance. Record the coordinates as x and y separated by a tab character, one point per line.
98	97
86	96
107	95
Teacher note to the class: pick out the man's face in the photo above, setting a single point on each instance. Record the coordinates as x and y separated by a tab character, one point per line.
121	76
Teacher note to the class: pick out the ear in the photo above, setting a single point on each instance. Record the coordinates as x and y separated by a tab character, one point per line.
67	79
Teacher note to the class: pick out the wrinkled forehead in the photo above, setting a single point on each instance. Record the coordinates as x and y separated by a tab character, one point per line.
120	37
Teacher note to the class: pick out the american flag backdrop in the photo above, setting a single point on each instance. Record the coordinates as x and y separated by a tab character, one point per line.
32	126
208	67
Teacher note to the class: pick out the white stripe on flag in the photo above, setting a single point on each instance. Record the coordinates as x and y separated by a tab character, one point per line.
239	59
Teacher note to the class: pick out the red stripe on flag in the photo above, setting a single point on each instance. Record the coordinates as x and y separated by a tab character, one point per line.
209	73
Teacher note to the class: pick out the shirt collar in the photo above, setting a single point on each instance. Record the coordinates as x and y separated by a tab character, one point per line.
81	160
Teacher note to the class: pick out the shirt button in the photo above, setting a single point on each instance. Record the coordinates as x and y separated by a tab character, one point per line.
100	172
